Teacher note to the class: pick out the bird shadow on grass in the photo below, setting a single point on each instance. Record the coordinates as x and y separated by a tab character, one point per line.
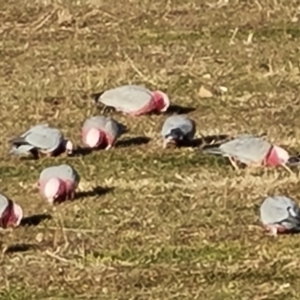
287	232
178	109
81	151
35	220
19	248
210	141
97	191
292	231
294	161
136	141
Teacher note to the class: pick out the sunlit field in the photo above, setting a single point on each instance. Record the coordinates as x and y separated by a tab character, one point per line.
150	223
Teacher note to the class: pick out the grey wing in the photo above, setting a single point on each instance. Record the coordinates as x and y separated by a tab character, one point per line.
76	177
189	128
48	173
128	98
67	172
45	138
272	211
114	128
35	128
3	204
21	150
95	122
251	149
20	145
280	210
186	126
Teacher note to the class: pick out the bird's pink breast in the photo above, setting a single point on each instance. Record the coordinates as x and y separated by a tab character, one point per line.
272	158
158	99
105	138
83	135
8	216
41	186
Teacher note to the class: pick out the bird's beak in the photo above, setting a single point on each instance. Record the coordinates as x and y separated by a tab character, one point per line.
51	200
168	143
70	152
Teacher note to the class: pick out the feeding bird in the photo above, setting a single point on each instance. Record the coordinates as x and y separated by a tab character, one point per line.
253	151
178	130
280	214
41	139
101	132
11	213
134	100
58	183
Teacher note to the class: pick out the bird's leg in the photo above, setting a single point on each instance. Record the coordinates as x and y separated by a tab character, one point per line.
233	163
108	147
288	169
70	195
272	229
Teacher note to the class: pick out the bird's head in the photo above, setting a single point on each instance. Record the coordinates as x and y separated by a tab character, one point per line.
161	100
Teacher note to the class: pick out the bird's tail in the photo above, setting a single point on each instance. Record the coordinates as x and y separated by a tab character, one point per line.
17	141
293	161
291	225
212	150
175	134
123	128
19	150
96	96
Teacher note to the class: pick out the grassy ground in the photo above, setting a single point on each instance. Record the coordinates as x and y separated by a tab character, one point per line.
170	224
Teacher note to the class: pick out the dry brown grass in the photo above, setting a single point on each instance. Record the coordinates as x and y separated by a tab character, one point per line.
177	225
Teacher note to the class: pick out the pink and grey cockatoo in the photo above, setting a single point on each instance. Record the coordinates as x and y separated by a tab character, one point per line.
58	183
41	139
178	130
252	151
280	214
11	213
100	132
134	100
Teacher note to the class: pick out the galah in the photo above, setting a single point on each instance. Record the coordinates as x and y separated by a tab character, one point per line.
134	100
41	139
280	214
11	213
252	151
100	132
58	183
178	129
